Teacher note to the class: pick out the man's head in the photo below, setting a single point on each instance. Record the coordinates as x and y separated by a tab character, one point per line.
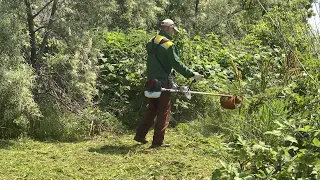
169	26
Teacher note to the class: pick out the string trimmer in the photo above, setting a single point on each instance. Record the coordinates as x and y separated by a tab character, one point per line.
154	90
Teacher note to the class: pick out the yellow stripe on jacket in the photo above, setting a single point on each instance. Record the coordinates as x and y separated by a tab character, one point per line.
166	45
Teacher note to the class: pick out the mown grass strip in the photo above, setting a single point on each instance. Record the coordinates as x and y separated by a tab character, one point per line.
109	157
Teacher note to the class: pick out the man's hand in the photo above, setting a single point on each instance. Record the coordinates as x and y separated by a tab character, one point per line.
197	76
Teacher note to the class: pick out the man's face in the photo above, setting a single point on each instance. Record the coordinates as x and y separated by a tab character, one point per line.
170	30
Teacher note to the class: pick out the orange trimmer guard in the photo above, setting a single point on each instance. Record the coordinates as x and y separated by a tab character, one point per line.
230	102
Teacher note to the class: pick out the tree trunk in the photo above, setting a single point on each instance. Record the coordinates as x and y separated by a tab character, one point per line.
32	34
34	59
196	12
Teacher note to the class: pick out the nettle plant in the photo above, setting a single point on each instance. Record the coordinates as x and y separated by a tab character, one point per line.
121	75
205	54
295	155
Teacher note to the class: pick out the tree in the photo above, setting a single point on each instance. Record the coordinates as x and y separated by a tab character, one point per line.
63	60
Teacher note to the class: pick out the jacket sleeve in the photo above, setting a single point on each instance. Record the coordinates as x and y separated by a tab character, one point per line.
177	65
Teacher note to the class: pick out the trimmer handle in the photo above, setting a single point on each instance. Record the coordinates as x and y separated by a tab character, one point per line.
193	81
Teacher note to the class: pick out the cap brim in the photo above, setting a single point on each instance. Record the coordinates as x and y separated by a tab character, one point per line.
176	28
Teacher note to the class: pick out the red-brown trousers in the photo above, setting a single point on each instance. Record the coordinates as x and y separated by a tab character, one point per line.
160	108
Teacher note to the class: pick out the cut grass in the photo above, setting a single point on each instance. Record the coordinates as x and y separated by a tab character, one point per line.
110	157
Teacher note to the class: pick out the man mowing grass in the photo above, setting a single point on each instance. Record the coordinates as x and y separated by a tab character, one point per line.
162	58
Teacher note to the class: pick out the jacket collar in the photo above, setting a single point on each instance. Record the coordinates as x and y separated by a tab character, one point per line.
165	34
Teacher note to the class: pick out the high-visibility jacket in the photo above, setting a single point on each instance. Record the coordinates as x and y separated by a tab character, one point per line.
168	56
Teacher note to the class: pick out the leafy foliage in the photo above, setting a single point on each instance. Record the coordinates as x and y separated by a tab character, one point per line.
298	147
73	68
16	100
121	77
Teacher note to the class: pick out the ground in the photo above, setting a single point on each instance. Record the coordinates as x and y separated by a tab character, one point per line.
110	157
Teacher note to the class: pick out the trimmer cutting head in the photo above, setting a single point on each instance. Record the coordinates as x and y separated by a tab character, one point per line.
230	102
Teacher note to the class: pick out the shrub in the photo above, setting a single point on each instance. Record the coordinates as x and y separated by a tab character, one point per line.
122	75
17	106
296	156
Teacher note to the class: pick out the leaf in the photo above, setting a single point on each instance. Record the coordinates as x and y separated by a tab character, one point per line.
291	139
104	59
257	56
316	142
197	38
242	141
259	147
111	75
274	132
293	148
277	50
217	173
305	129
110	67
223	164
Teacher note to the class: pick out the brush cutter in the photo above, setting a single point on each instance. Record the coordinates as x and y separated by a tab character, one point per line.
154	90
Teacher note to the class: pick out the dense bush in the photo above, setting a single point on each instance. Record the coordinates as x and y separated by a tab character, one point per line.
68	86
122	74
296	155
17	106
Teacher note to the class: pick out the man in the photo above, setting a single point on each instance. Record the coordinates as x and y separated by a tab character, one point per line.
162	58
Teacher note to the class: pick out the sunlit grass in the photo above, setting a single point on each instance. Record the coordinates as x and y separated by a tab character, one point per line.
110	157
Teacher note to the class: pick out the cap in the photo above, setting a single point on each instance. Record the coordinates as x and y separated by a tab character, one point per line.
169	23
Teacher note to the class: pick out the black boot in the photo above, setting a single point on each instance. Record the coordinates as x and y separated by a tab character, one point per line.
140	140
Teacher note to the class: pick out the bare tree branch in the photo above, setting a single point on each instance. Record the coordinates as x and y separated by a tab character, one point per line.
42	8
62	2
49	26
39	28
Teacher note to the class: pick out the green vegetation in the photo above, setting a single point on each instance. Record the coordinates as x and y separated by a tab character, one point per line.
72	73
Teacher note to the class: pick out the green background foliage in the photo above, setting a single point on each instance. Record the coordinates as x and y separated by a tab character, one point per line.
69	69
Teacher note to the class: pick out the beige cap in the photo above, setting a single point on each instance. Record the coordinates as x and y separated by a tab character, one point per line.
169	22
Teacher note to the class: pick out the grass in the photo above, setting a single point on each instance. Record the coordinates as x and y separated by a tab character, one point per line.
110	157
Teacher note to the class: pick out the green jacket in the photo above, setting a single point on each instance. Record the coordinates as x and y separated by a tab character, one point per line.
169	58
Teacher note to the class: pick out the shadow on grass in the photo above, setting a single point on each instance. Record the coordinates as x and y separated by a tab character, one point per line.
114	149
5	144
210	130
55	141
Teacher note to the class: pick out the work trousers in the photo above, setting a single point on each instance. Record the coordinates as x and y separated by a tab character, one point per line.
160	108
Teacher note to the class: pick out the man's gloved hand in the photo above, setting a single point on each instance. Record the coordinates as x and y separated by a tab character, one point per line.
197	76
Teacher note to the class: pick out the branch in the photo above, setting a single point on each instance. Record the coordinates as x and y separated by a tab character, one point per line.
62	37
62	2
30	19
46	36
39	28
236	11
42	9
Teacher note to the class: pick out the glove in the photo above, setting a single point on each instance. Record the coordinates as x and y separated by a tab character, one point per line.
197	76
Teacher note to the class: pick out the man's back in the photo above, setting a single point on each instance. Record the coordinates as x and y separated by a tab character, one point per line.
162	58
